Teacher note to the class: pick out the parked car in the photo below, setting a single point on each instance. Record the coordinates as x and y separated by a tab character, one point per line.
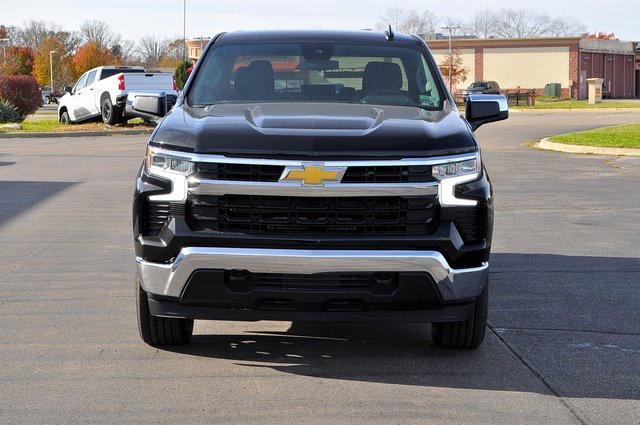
481	87
315	176
102	92
49	96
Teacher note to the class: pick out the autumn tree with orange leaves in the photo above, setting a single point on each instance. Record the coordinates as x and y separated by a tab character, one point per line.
91	55
600	36
19	61
458	71
61	63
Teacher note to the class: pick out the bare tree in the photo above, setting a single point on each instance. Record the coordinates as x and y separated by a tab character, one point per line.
566	28
522	23
98	32
71	40
177	50
32	33
152	50
482	25
127	52
409	21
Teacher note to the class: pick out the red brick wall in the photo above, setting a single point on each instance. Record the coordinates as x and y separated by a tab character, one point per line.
616	69
564	92
479	65
574	71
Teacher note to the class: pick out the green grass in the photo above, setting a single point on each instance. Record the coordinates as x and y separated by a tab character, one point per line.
53	126
624	136
554	103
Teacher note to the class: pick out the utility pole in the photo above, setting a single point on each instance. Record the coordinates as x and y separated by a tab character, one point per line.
184	30
451	28
51	67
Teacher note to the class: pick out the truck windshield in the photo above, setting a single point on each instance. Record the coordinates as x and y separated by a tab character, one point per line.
106	73
327	72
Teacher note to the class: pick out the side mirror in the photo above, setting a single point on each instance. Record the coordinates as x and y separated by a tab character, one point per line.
68	89
485	108
149	105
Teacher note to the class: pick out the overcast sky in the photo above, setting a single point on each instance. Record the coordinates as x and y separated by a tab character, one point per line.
135	18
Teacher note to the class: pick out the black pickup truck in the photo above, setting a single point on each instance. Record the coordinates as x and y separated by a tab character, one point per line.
315	176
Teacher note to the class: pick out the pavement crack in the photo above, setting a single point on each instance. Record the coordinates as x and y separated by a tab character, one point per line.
539	376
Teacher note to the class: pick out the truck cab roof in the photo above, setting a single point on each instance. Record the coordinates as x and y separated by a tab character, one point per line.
362	36
123	68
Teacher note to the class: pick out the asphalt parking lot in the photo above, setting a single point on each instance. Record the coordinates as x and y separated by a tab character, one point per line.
563	344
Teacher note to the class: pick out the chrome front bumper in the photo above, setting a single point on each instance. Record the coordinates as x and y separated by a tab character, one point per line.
170	279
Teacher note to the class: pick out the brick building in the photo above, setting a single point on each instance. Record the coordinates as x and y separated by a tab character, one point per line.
534	63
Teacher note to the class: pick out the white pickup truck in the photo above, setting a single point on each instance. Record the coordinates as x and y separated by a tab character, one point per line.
102	92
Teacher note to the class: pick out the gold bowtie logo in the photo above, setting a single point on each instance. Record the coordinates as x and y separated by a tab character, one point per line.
312	175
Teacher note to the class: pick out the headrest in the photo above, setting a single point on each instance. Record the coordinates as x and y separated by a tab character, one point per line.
382	77
255	81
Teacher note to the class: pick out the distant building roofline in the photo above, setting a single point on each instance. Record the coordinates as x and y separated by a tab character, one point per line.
581	43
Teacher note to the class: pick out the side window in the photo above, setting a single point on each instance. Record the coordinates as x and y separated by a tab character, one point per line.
82	82
91	78
428	95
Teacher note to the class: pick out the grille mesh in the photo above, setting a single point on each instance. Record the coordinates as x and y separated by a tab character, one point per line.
240	172
272	173
410	174
313	216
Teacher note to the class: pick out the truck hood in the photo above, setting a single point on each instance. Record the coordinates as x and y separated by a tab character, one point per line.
314	131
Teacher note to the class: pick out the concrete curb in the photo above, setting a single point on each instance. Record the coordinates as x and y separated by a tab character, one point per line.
74	134
587	110
547	144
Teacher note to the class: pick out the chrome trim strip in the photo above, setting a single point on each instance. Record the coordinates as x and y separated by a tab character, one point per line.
170	279
182	185
194	157
223	187
502	101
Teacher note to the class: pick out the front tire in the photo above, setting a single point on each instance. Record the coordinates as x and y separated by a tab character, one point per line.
160	331
64	118
466	335
111	114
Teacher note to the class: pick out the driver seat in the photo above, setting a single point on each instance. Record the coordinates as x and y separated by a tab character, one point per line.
256	81
382	78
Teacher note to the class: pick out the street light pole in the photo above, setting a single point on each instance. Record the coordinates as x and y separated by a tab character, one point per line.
184	30
451	28
51	67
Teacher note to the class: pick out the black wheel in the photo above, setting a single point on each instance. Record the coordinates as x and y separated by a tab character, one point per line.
47	100
64	118
160	331
465	335
111	114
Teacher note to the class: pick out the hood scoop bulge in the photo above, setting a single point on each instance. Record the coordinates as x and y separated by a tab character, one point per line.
320	118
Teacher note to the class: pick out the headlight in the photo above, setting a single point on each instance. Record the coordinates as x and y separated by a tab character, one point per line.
455	173
162	164
457	169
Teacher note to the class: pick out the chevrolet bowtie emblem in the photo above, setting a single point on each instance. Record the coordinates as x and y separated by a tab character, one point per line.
314	175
